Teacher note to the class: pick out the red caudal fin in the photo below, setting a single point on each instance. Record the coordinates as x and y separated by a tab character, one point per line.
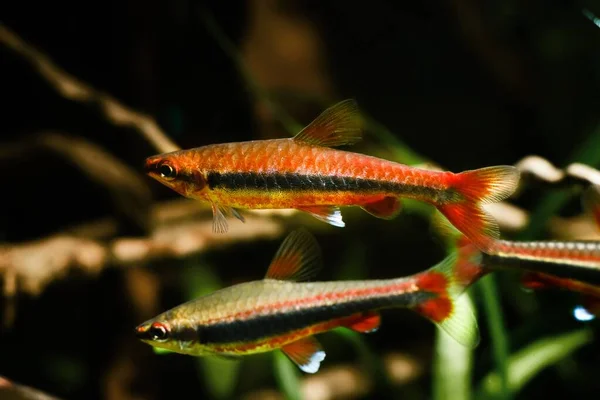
447	308
469	266
475	188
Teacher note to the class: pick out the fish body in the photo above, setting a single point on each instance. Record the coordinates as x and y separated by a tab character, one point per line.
283	311
576	260
306	172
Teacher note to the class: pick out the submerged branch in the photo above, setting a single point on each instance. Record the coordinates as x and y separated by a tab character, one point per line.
182	228
14	391
128	190
73	89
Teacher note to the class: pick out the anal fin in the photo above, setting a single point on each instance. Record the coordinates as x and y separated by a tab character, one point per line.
306	353
366	323
330	214
386	208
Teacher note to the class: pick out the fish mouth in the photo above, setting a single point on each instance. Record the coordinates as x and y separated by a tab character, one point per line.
151	166
141	332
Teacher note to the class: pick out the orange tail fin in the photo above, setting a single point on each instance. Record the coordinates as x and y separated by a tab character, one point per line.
478	187
468	257
448	309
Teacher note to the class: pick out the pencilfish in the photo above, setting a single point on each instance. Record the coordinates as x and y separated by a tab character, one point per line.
284	311
307	173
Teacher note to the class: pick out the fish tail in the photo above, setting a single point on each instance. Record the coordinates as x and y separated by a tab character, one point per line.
475	188
469	259
448	309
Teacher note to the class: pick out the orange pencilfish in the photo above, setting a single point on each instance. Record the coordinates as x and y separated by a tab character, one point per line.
307	173
284	311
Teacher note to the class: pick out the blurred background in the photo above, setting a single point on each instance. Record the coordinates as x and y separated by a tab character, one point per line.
90	247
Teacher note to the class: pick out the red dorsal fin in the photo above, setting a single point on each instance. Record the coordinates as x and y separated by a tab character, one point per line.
306	353
591	202
386	208
338	125
330	214
366	323
298	258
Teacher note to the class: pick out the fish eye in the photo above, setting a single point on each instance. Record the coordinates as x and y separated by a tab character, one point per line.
166	171
158	332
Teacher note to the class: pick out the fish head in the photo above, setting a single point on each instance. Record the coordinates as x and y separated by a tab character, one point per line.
179	171
176	335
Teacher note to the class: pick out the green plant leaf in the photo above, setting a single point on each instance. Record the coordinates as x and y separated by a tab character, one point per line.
219	375
287	376
493	311
452	367
371	363
528	362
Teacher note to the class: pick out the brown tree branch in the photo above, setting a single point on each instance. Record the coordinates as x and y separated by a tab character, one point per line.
73	89
182	228
14	391
128	190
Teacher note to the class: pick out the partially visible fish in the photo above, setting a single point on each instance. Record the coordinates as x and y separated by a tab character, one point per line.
568	265
281	312
307	174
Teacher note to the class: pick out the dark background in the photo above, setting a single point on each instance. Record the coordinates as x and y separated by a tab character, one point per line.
465	83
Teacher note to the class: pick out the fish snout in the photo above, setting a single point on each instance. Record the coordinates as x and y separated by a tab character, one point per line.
141	332
151	165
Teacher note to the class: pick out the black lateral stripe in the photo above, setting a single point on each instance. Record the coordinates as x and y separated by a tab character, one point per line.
280	323
583	273
293	181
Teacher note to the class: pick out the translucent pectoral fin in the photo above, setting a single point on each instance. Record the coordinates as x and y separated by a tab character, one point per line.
220	213
219	220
